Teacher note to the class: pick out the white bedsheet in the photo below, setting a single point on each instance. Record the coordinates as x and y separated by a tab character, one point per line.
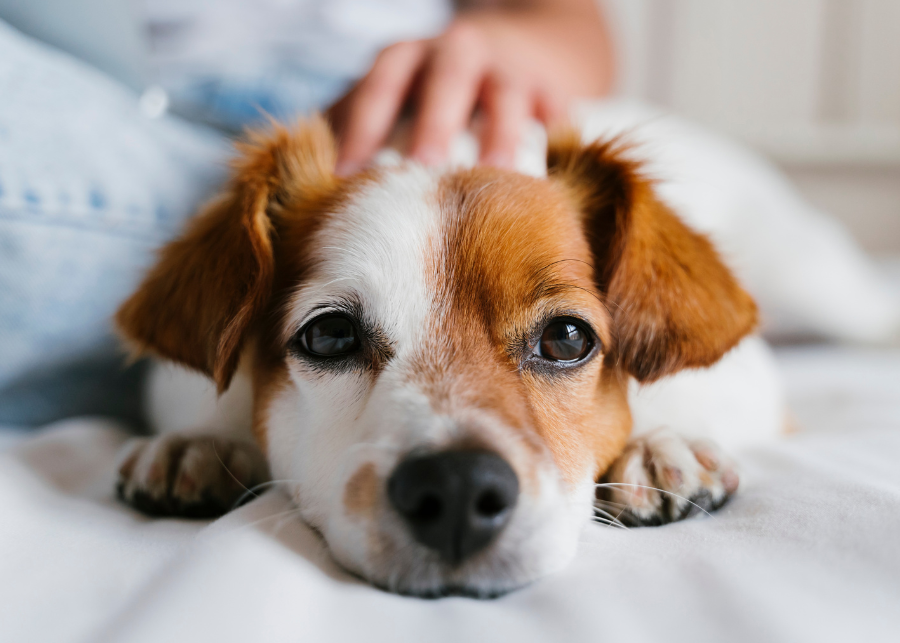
808	551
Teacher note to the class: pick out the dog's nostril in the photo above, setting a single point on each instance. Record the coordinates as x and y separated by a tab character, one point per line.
490	504
454	502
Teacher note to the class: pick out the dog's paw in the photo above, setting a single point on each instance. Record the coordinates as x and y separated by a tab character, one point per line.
662	477
191	477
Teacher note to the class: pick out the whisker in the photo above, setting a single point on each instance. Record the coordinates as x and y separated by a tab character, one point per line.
609	523
334	281
568	285
282	522
612	503
609	517
252	490
607	505
640	486
233	477
280	514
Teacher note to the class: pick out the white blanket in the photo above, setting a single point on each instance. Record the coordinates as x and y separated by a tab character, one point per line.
807	551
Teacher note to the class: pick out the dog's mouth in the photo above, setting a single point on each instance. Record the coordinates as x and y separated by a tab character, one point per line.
451	591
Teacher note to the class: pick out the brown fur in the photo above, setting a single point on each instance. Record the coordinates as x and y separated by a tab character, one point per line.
200	302
674	304
361	490
270	376
513	252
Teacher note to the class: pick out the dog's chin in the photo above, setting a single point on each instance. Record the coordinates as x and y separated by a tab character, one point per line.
420	573
446	582
447	591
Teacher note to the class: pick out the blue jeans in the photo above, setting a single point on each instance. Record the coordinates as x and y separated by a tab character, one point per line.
89	188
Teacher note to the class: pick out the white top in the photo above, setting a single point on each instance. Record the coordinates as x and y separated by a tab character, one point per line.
231	56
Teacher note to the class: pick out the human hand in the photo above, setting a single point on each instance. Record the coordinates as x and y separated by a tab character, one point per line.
511	65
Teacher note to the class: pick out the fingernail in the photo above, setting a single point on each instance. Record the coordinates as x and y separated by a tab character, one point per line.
499	160
429	155
346	168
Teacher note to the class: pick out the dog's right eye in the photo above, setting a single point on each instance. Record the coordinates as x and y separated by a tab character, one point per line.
564	340
329	336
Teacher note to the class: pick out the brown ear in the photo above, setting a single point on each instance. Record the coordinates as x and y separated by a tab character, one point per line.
674	304
198	304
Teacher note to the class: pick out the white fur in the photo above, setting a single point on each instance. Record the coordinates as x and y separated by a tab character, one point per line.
736	402
184	401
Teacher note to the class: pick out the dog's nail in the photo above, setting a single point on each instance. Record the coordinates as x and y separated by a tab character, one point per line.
185	485
707	460
672	477
730	480
638	495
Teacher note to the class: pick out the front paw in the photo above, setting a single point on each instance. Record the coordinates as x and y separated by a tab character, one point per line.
191	477
662	477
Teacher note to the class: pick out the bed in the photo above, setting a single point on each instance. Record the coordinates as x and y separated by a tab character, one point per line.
808	551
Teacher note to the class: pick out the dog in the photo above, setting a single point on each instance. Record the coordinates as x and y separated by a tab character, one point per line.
442	366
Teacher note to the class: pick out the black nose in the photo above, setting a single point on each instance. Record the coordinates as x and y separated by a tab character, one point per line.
454	502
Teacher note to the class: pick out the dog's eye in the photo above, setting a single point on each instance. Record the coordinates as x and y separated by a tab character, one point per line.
564	340
330	336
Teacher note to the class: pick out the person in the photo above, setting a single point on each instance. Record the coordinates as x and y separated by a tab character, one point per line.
90	188
512	61
509	59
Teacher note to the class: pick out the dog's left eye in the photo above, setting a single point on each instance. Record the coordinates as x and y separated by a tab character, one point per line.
564	340
329	336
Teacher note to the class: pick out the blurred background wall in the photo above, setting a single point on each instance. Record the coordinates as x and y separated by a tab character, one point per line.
813	84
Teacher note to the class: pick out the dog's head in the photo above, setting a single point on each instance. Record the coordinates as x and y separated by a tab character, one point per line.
440	359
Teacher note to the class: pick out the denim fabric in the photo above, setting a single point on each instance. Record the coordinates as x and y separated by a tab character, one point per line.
233	104
89	188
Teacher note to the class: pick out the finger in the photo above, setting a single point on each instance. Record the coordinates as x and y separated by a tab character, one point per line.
551	109
450	88
374	105
506	108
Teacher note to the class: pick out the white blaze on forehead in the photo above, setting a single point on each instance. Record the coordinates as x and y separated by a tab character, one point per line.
375	248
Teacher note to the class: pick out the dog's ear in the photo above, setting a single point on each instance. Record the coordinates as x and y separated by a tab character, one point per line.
198	304
674	304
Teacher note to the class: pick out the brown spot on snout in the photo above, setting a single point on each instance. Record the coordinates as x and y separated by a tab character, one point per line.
361	491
